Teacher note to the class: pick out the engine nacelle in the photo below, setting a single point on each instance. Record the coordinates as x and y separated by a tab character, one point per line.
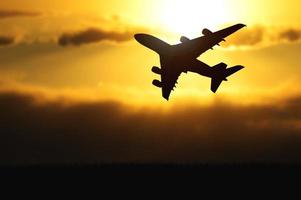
157	83
184	39
206	32
156	70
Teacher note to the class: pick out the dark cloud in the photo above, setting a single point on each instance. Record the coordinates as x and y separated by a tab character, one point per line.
93	35
54	132
16	13
248	37
291	35
263	35
4	40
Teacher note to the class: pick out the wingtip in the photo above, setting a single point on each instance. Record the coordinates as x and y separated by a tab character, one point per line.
240	25
238	67
139	37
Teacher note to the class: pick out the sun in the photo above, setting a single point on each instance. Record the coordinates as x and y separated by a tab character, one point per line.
190	16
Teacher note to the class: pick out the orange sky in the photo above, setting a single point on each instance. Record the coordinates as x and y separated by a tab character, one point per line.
72	75
269	47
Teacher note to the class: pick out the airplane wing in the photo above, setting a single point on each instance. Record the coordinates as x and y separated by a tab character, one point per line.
222	34
219	36
210	39
169	76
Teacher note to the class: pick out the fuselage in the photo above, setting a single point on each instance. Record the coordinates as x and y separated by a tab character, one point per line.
180	56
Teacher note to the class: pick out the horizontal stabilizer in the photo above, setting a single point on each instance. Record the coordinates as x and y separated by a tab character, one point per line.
232	70
221	74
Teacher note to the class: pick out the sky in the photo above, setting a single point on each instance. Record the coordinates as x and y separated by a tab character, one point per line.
76	87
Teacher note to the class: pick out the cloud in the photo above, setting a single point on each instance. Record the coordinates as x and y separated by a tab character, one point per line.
250	37
37	131
258	36
93	35
5	40
65	29
77	30
15	13
60	28
291	35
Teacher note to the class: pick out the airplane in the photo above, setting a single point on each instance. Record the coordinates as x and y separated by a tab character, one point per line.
182	57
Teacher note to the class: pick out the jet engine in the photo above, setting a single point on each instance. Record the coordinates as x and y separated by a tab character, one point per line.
156	70
206	32
184	39
157	83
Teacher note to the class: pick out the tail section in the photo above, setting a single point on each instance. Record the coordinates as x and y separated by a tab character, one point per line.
220	74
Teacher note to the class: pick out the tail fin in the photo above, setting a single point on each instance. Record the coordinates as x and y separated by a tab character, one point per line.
221	73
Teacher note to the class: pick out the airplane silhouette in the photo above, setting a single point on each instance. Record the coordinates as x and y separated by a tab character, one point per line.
182	57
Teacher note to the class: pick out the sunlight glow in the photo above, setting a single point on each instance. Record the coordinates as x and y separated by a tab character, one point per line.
190	16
